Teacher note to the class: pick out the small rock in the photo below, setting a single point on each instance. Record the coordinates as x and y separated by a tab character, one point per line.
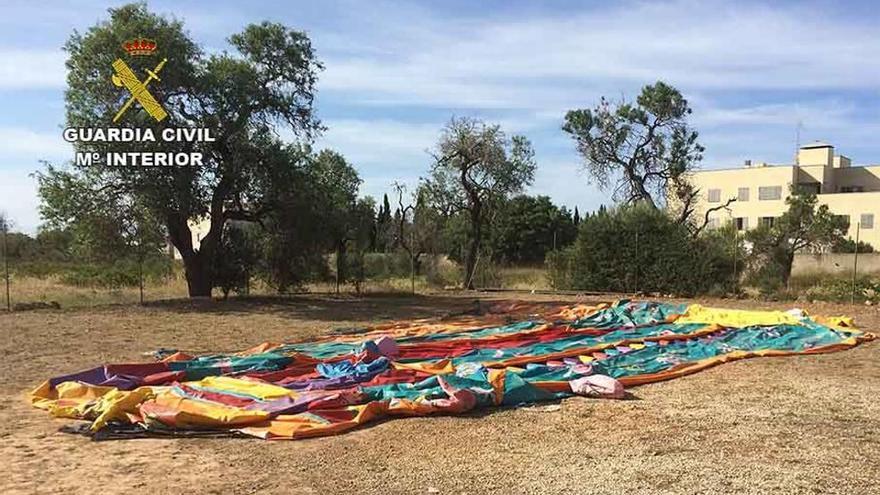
548	408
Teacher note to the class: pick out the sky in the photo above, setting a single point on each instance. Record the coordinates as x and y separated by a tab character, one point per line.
757	75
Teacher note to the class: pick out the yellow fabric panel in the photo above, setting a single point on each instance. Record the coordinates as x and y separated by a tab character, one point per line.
738	318
406	407
199	414
304	425
835	321
580	311
259	349
79	400
118	404
441	367
71	399
44	396
262	390
496	378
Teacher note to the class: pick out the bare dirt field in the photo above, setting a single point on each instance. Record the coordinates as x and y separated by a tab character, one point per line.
806	424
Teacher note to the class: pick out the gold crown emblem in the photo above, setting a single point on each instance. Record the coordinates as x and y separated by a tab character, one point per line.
139	46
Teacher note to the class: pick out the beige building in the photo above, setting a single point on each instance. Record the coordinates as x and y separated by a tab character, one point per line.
760	190
199	231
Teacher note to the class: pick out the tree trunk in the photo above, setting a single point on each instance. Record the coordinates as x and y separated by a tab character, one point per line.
474	248
197	264
786	268
198	275
341	264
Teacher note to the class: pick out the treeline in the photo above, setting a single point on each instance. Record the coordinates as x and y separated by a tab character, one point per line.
330	235
638	248
522	230
288	214
88	261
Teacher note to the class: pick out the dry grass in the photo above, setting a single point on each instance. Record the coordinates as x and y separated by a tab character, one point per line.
26	289
806	424
29	289
49	289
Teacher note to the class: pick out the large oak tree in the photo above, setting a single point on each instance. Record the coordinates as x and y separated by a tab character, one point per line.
246	96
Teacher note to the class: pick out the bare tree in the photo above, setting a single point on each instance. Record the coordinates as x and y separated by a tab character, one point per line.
474	165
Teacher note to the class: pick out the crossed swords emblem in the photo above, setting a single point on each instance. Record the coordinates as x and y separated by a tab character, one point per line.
126	77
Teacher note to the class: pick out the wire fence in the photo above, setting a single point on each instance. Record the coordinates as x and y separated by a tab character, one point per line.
22	291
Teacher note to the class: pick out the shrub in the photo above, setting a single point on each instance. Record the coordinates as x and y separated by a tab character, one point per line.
236	260
806	225
384	266
640	248
836	288
118	274
845	245
487	273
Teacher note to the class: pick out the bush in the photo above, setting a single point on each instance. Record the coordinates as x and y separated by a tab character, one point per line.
845	245
115	275
488	273
236	260
440	271
640	248
560	269
40	269
836	288
384	266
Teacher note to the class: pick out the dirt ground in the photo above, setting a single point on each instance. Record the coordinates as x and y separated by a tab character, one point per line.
806	424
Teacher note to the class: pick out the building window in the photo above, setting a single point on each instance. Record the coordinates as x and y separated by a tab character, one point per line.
714	223
768	221
742	223
845	219
867	220
810	188
742	194
769	193
714	195
852	189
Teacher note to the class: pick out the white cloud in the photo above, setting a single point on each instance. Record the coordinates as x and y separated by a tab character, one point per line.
383	142
566	182
396	72
553	61
823	114
21	141
20	203
770	132
23	69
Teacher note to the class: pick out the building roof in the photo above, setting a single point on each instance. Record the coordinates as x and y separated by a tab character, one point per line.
816	145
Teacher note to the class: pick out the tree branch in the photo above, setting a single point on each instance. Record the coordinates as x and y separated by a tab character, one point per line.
725	206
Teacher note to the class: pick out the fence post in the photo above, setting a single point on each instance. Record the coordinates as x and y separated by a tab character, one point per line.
412	256
6	263
735	249
852	296
337	269
141	276
636	291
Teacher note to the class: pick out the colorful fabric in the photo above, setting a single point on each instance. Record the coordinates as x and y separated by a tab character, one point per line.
339	382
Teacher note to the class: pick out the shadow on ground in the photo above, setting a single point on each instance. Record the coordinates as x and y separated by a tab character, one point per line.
330	307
